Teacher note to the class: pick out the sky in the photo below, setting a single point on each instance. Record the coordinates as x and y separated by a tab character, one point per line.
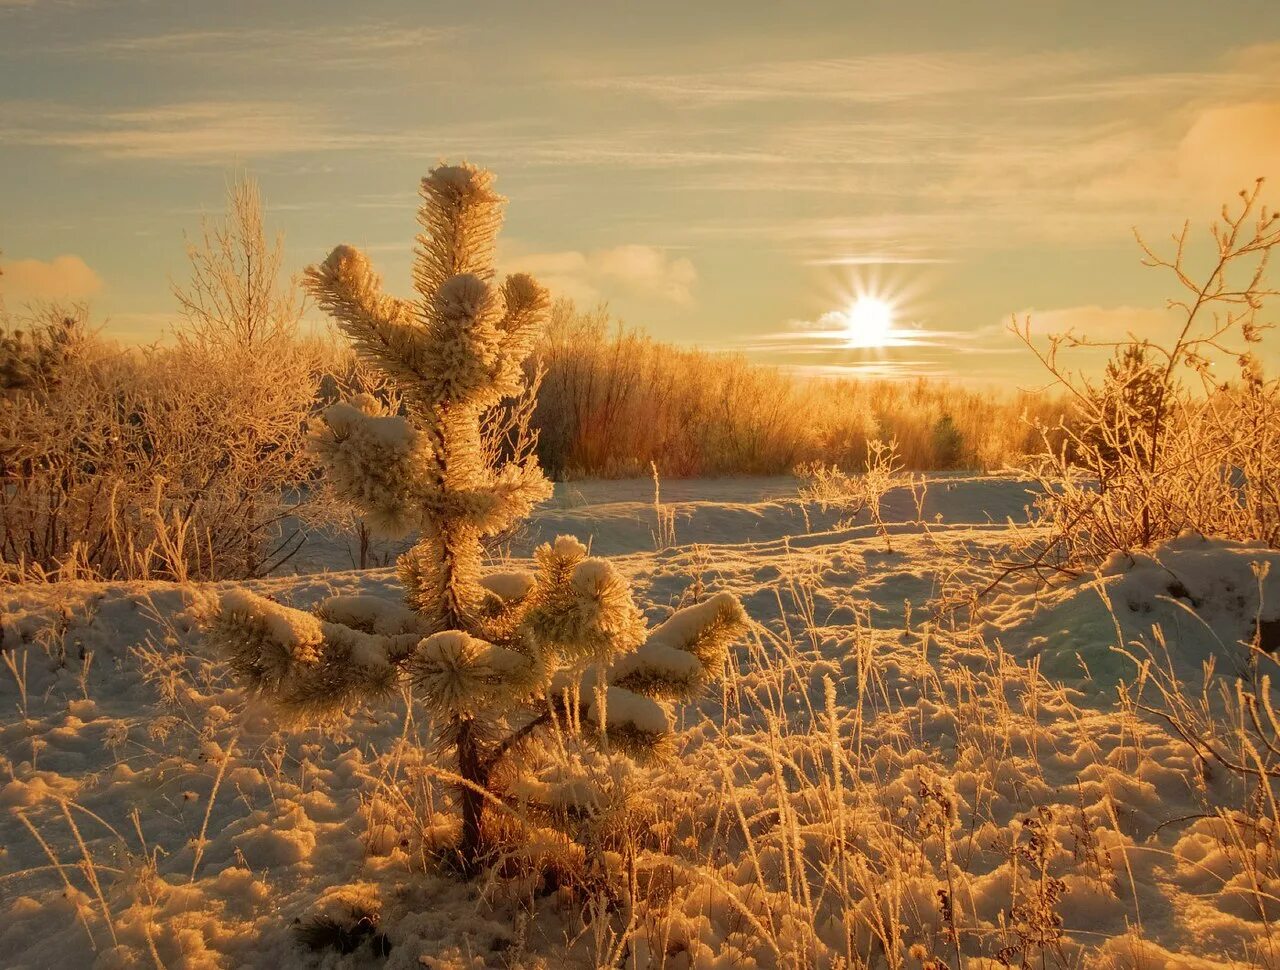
730	175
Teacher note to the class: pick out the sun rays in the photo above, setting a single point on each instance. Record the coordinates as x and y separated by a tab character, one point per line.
869	322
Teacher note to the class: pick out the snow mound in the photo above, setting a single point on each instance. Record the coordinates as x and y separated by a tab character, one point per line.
1189	602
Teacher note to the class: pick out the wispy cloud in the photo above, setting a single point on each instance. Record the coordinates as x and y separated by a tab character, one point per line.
209	132
34	7
360	43
859	237
873	79
216	131
1243	72
1153	86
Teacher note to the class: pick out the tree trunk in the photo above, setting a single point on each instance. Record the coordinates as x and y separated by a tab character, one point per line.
471	847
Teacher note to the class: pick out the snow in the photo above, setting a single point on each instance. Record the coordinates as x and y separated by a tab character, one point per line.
618	517
1191	601
684	628
461	673
370	614
210	831
568	547
359	416
622	708
511	585
299	633
455	648
671	663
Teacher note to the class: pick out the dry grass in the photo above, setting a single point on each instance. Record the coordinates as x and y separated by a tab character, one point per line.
863	793
947	806
614	400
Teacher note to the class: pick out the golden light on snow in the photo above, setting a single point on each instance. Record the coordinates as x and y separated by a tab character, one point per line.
869	322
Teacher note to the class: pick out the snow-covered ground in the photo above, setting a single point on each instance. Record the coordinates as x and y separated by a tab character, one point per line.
878	780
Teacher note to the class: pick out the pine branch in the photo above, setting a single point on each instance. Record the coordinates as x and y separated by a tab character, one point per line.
515	739
382	328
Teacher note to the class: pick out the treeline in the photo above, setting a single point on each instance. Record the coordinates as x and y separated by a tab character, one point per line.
613	400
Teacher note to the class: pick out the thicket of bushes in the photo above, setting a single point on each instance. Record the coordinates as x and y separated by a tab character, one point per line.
613	400
169	462
186	460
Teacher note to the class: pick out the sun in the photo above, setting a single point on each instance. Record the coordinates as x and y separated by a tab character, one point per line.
868	322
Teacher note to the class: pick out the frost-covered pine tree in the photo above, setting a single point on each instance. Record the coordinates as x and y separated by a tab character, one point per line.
496	658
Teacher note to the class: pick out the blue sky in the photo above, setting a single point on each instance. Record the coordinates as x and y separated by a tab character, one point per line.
725	174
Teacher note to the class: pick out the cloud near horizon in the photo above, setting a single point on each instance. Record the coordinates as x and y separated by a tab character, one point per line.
66	277
1099	323
632	269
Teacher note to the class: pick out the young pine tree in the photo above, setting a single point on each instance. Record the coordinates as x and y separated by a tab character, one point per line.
498	657
1120	429
948	443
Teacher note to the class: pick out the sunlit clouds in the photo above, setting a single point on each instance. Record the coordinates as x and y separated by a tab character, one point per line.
730	182
861	339
590	277
874	329
64	277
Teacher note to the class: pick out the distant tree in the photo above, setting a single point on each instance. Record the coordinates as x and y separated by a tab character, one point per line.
1125	408
242	423
31	357
496	658
948	443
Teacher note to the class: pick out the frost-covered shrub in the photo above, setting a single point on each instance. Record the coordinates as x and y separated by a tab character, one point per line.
1180	434
830	487
498	659
168	462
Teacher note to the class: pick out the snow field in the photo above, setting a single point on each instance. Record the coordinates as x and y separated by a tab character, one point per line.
876	783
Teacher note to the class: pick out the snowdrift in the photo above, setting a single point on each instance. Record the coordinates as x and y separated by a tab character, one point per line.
1192	601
